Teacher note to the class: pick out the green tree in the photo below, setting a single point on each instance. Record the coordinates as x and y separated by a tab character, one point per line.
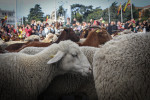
36	13
79	17
95	14
113	13
61	11
82	10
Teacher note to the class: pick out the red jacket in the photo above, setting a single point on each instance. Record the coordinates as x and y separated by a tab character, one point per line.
28	32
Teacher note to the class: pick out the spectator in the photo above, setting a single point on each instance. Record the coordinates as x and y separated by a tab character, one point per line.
74	21
28	30
68	23
35	31
57	28
47	29
42	32
91	21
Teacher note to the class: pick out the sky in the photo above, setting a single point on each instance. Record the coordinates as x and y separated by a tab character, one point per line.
23	6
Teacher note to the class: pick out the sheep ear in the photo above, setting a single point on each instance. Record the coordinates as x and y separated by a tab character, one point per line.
56	58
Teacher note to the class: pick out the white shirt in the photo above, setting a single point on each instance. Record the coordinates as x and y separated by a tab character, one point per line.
46	30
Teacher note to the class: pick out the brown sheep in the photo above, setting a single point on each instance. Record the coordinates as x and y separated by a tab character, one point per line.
15	47
34	44
96	37
86	31
68	34
5	38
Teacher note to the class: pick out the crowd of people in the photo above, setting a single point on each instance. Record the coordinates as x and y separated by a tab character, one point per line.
44	29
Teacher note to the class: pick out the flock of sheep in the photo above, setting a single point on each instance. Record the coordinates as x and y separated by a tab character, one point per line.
117	70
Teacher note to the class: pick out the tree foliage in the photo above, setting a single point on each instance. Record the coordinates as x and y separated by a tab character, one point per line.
80	11
95	14
61	11
36	13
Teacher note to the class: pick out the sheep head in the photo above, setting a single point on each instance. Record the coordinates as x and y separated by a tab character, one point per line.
71	58
103	35
71	34
68	34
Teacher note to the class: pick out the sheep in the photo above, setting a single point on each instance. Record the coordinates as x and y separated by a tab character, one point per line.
24	77
96	37
32	50
32	38
50	38
54	39
3	45
127	31
85	32
34	44
121	68
1	50
68	34
5	38
69	84
19	46
13	47
14	42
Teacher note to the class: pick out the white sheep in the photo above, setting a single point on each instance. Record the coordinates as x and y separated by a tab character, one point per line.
24	77
121	68
3	44
32	38
48	38
32	50
127	31
72	84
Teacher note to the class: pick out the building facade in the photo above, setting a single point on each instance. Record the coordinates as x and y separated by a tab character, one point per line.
59	19
10	16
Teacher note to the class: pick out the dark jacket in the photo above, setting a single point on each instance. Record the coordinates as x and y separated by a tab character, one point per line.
109	29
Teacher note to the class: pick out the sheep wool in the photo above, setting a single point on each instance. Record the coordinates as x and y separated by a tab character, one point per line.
32	38
72	84
32	50
24	77
121	68
48	38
